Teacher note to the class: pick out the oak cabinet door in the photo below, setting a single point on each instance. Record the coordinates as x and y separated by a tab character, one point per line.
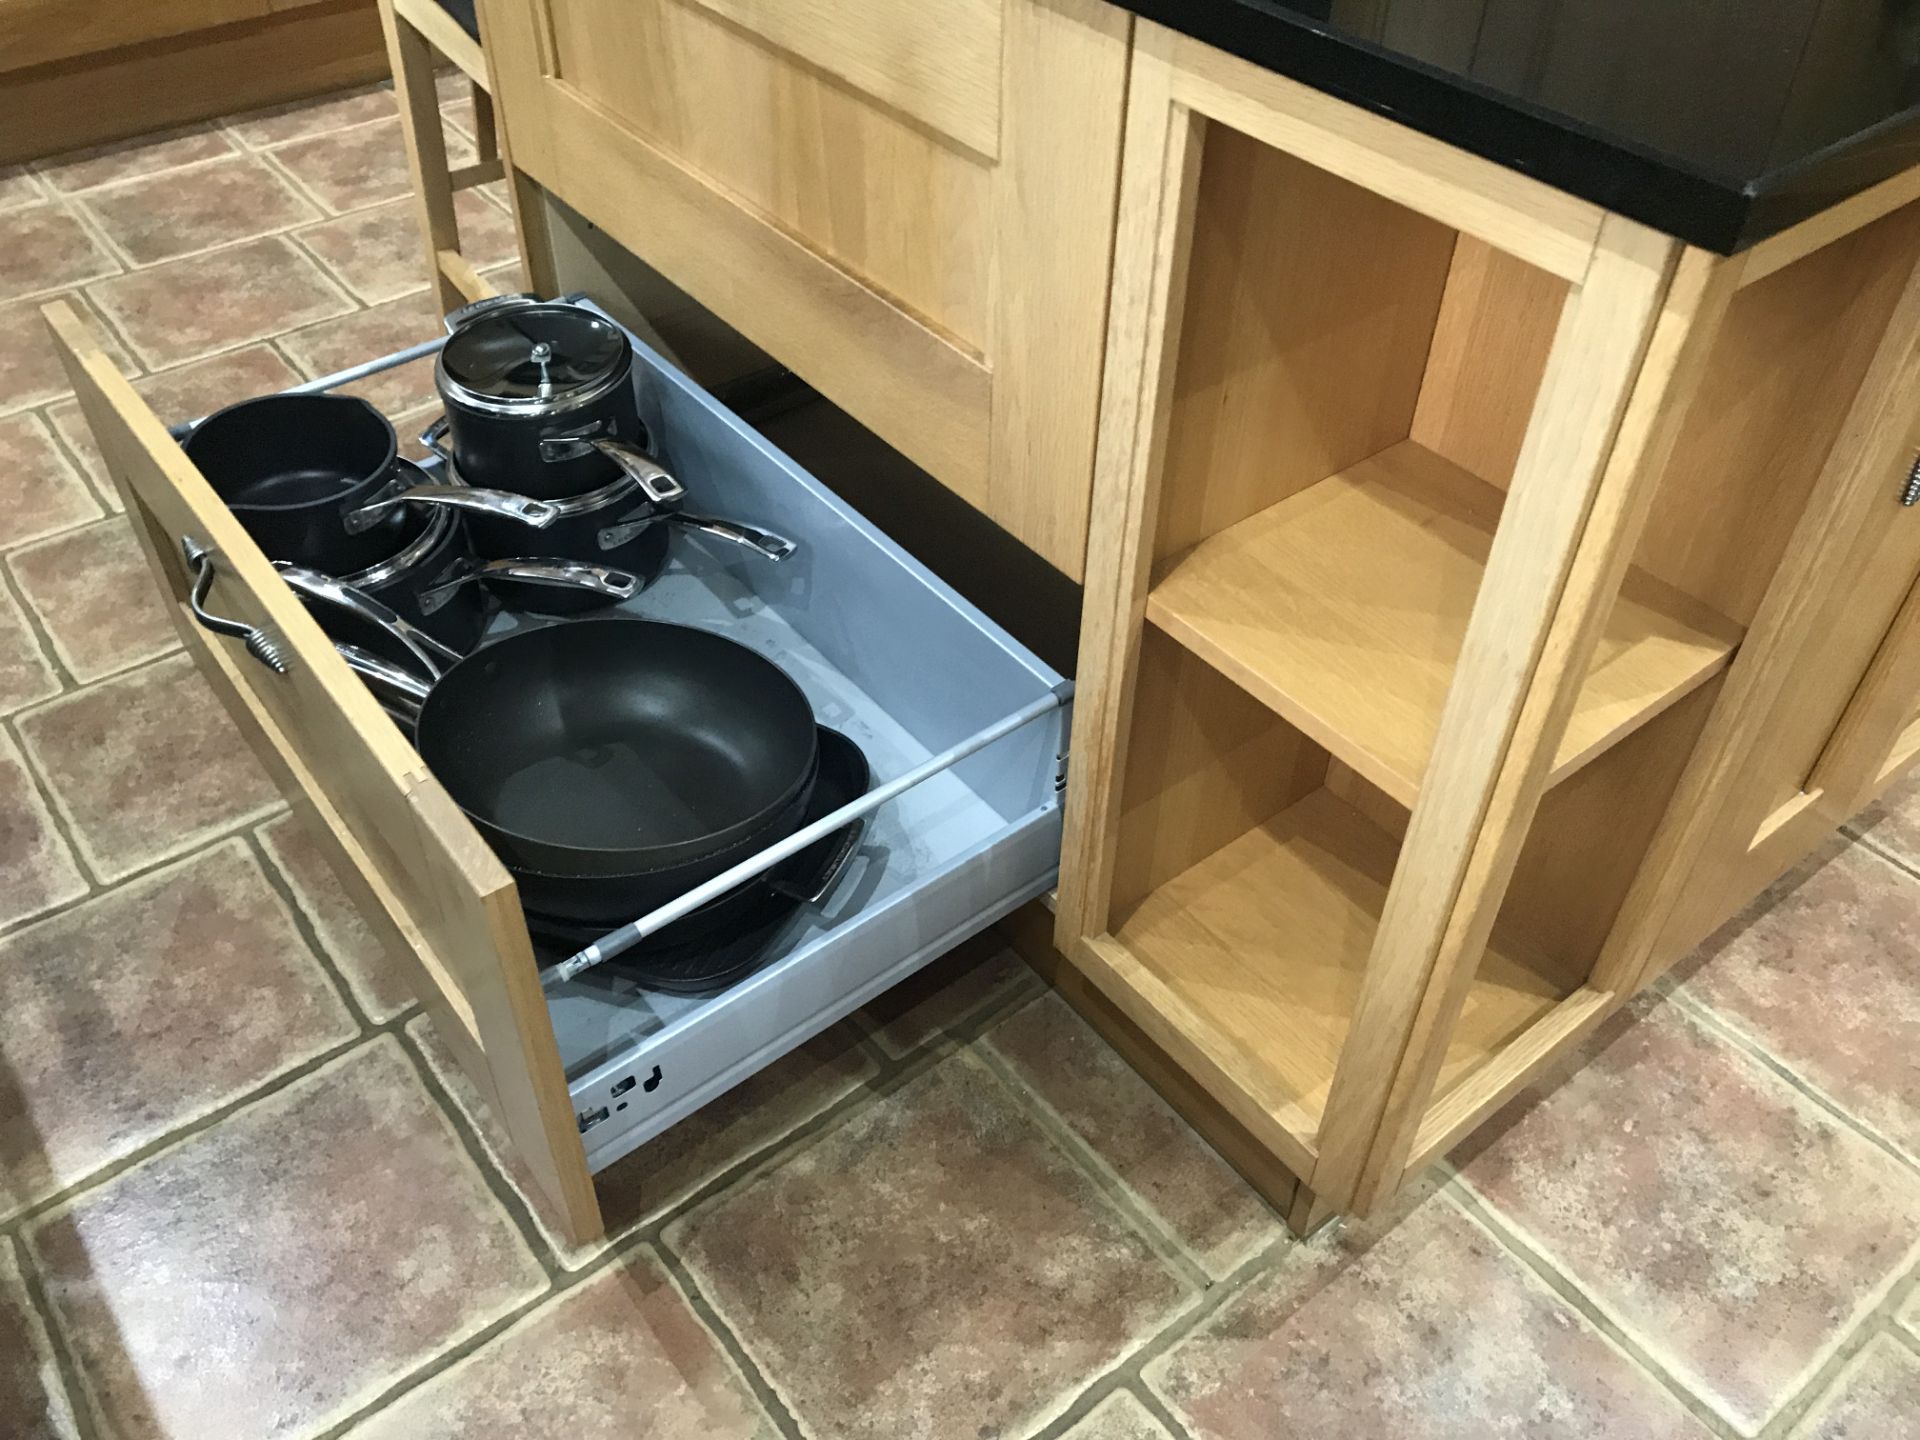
912	205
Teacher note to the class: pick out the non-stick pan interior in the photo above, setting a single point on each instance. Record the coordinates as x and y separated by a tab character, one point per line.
282	451
617	734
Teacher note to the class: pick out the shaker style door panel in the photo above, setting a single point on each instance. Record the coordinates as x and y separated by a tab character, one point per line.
912	205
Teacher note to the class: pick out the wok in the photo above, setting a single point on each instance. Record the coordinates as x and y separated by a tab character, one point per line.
620	747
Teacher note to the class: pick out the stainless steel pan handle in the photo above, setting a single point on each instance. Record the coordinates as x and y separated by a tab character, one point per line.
503	504
260	643
763	542
434	437
399	691
433	656
562	574
655	482
843	854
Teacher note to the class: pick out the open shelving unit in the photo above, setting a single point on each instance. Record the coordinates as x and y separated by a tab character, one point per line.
1345	399
1444	528
1344	606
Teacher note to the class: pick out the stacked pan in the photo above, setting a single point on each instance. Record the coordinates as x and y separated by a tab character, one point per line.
542	419
614	763
314	479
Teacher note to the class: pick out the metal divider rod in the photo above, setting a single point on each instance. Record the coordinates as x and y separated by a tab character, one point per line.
338	378
627	936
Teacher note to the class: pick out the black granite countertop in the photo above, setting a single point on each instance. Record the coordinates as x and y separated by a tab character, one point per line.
1718	121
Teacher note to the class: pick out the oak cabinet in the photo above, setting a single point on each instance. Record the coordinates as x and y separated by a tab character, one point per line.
1485	592
911	205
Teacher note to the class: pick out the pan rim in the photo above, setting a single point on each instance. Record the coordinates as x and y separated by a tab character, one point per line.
489	650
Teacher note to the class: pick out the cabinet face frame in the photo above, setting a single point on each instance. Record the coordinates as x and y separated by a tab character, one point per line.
418	870
1636	323
1021	98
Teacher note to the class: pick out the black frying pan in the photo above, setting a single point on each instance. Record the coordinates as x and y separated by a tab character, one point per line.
618	746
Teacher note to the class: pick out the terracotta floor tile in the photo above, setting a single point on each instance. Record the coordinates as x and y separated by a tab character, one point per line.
44	248
409	424
366	334
375	977
378	253
95	598
37	871
186	309
128	159
1719	1217
40	491
1844	927
30	372
1877	1397
274	1272
969	981
933	1267
357	167
184	392
1893	821
759	1111
148	1007
187	392
456	100
18	187
181	212
70	423
33	1398
1437	1331
619	1357
1119	1417
1197	1194
145	766
25	675
301	118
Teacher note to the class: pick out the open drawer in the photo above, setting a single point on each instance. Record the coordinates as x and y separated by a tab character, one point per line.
582	1073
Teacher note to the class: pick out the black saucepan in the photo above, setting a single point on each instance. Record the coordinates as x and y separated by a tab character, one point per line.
290	466
539	399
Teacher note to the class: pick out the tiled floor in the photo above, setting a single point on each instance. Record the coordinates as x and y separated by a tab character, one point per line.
244	1194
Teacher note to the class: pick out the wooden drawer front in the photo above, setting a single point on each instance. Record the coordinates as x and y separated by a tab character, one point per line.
332	747
911	205
33	32
889	196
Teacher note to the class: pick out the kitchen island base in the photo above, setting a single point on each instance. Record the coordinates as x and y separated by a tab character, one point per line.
1487	596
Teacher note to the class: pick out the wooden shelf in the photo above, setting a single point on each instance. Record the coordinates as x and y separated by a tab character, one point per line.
1250	964
1343	608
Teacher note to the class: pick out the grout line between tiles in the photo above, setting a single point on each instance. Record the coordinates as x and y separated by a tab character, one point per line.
1881	1320
303	923
1130	1370
1133	1207
1900	862
96	487
30	1216
1737	1039
770	1399
1523	1248
79	1394
495	1176
110	253
300	187
37	632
